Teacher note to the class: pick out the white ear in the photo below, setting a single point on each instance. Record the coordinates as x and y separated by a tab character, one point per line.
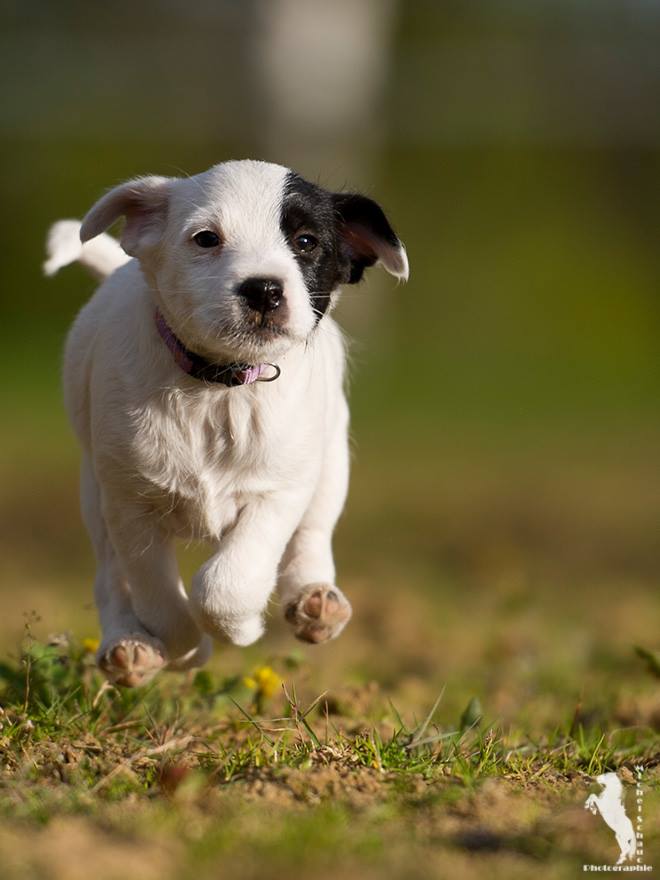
143	202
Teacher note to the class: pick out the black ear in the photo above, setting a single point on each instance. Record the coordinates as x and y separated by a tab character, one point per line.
366	237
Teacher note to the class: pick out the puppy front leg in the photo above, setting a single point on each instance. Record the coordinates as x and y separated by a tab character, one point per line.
231	590
315	607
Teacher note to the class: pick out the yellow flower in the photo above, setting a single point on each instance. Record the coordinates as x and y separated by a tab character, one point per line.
264	680
90	646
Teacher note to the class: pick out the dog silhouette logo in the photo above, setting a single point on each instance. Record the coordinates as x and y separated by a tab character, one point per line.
609	803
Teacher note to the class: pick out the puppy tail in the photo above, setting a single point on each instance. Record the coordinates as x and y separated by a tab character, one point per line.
102	255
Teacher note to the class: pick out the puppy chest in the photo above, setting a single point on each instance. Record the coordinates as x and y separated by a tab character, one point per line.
200	472
201	502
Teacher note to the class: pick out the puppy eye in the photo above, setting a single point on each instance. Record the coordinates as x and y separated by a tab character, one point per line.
305	243
206	239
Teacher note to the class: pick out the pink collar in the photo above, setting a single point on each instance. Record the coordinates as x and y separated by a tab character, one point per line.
206	371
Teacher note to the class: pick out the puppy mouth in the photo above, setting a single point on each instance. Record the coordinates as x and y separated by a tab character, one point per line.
251	338
260	336
262	325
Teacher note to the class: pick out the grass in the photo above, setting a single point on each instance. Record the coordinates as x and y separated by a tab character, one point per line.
213	775
503	652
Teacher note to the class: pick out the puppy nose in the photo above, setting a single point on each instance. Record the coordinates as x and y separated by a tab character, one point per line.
262	294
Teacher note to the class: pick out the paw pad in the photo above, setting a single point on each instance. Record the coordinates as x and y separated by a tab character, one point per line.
319	613
131	662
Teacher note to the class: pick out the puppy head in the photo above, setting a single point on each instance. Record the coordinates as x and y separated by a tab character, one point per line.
245	259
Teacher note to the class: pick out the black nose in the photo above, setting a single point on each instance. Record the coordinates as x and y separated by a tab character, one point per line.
262	294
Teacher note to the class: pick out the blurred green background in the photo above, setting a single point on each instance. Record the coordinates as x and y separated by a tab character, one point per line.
505	401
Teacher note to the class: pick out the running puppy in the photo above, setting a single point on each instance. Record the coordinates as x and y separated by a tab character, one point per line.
204	380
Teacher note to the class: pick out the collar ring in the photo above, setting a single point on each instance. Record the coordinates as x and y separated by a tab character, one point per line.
277	375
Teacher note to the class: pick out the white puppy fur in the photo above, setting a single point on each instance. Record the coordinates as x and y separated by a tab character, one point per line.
259	471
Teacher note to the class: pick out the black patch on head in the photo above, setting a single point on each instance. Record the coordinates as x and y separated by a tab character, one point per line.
337	220
310	208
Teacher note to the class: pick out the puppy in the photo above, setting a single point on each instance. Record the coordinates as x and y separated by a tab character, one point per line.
204	381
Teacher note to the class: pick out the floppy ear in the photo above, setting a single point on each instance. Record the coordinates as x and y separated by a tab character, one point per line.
143	202
366	237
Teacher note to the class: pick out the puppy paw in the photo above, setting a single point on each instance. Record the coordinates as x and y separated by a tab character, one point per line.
318	613
131	661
